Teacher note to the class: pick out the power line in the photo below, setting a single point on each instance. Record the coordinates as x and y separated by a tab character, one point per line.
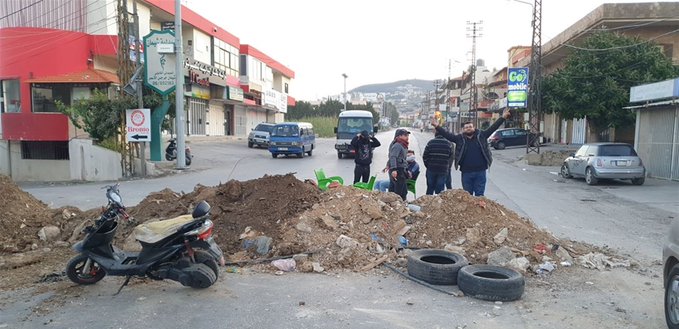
630	26
22	9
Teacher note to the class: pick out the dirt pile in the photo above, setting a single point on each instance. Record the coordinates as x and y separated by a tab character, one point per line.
548	158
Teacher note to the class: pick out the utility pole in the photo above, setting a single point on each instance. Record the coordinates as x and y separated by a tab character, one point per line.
534	82
140	92
345	90
475	29
124	74
179	89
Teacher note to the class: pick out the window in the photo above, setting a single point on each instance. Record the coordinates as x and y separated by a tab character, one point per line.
508	133
521	132
10	96
45	96
225	57
582	151
617	151
285	88
285	131
44	150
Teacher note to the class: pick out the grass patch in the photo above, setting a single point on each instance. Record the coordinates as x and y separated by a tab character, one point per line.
323	126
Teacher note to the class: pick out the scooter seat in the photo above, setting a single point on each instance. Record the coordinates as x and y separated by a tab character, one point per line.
156	231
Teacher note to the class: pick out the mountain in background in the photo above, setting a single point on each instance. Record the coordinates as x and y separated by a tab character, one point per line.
392	87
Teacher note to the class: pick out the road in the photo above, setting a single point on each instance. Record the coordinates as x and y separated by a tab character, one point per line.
632	220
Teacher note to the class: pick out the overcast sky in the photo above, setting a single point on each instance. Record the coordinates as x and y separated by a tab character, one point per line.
375	41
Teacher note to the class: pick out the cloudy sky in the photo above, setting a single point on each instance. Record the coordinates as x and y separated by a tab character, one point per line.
375	41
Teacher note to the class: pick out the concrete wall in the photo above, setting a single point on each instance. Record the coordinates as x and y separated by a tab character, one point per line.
4	158
93	163
31	170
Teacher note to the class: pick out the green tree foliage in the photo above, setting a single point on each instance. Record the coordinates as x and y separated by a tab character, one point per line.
331	108
595	83
98	116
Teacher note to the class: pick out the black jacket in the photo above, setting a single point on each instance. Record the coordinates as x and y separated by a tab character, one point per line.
481	138
436	156
364	149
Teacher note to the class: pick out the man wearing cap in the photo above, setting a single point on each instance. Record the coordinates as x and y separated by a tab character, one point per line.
363	144
398	154
472	154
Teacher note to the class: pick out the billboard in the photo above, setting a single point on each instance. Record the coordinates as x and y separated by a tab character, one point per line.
517	87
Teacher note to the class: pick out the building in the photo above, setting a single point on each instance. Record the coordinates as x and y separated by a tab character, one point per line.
63	50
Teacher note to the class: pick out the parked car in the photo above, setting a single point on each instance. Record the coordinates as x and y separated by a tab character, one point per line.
502	138
605	161
260	135
671	277
292	138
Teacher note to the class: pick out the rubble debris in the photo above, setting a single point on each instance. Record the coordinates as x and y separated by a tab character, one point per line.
600	261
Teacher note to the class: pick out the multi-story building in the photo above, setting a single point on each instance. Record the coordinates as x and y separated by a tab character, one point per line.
63	50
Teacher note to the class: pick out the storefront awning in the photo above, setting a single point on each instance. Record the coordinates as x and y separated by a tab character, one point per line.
87	76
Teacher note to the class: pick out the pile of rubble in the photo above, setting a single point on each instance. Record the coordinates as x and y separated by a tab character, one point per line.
548	158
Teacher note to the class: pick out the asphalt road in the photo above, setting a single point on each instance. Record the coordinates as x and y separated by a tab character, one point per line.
630	219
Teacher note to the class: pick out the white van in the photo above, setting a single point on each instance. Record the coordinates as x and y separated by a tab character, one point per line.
349	124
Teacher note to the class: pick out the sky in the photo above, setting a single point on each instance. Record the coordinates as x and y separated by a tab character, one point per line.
378	41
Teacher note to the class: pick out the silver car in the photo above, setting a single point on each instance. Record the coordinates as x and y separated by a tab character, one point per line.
259	136
671	277
605	161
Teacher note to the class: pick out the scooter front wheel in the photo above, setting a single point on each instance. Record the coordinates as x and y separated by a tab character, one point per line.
76	272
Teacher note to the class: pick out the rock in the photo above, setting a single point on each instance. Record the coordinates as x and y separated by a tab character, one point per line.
473	235
305	267
67	214
520	264
263	244
303	227
397	226
49	233
563	255
453	248
371	210
501	237
317	267
546	259
401	262
389	197
345	242
300	257
501	256
329	222
61	244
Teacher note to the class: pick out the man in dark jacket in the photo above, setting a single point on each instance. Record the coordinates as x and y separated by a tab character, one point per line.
436	157
472	154
363	144
398	163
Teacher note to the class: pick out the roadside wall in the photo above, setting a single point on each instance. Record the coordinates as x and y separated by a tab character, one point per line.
93	163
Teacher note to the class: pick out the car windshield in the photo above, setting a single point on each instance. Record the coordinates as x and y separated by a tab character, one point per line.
616	151
261	127
355	125
285	131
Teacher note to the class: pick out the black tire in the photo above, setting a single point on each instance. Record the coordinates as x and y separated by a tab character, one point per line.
202	276
300	154
188	160
638	181
311	151
168	157
672	298
590	179
339	155
274	155
203	257
74	271
492	283
435	266
565	172
250	145
500	146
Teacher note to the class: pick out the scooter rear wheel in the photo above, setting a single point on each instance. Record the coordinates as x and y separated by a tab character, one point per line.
74	271
203	257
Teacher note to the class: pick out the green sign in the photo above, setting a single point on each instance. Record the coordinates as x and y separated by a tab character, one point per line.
160	69
517	87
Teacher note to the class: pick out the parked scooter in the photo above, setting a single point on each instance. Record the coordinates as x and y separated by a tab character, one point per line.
171	152
180	249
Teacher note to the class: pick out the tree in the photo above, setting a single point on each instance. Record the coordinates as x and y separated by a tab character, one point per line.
98	116
597	77
330	108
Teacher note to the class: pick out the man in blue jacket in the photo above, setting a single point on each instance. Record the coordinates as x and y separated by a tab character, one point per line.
472	154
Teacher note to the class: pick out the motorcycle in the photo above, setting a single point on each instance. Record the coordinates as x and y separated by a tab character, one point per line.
171	152
180	249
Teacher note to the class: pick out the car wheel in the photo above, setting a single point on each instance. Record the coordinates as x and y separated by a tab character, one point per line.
493	283
274	155
589	176
638	181
500	146
339	155
311	151
250	145
435	266
565	172
672	298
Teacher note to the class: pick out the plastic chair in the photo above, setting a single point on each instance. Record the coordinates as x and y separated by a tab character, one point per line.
323	181
411	186
366	186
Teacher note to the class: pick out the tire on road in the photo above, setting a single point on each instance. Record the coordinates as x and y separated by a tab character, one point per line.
435	266
493	283
74	271
672	298
590	179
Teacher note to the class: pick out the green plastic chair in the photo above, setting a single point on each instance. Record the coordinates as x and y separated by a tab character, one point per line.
411	186
366	186
323	181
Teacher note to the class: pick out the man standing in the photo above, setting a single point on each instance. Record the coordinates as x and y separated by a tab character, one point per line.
363	144
472	154
398	151
436	157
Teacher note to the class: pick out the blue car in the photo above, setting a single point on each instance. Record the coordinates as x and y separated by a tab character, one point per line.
292	138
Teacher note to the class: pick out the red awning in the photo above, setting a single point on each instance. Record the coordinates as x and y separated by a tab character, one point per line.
87	76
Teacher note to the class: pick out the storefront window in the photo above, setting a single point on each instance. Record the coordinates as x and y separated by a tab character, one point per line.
10	96
45	96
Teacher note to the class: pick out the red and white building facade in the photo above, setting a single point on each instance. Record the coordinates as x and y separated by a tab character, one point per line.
62	50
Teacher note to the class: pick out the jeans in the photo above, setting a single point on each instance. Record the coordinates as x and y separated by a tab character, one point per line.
361	173
449	180
382	185
436	181
474	182
398	185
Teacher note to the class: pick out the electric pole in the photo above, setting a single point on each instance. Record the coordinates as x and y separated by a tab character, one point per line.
475	29
124	75
534	81
179	89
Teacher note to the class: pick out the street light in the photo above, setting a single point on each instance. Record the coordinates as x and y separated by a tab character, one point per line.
345	90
